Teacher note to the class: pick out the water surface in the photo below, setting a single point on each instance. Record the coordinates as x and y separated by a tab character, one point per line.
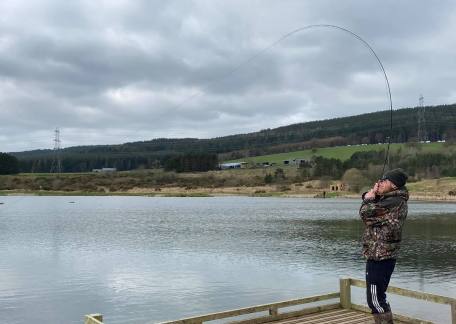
146	260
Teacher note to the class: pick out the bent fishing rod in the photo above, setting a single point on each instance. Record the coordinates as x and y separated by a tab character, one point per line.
305	28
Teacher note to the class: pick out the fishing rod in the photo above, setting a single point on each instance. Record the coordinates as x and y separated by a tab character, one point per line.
298	30
366	44
291	33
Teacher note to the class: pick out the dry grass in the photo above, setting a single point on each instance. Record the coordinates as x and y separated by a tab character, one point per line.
228	182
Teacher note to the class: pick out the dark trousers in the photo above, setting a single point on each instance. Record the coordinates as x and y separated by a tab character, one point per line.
378	274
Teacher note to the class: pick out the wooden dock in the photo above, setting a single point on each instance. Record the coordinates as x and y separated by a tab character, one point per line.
342	311
337	315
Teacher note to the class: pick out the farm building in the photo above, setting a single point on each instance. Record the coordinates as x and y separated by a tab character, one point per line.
338	186
232	165
105	170
297	162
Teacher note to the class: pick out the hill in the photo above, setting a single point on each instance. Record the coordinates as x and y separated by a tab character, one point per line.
367	128
342	153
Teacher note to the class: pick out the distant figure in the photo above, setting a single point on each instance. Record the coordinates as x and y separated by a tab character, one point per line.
383	211
324	194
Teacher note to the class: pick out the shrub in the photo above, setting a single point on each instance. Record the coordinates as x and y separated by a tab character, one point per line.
279	174
268	178
355	179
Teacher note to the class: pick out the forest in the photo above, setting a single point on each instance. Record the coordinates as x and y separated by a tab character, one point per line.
367	128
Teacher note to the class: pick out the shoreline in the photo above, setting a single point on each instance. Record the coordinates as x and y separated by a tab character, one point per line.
222	192
234	182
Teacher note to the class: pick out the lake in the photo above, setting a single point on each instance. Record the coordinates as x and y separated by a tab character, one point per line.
151	259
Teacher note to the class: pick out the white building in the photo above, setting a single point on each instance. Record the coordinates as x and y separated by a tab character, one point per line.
105	170
232	165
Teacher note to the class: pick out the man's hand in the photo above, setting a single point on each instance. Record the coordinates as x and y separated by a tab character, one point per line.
370	194
373	192
376	187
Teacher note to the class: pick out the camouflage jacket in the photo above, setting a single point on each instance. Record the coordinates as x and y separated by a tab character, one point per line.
383	218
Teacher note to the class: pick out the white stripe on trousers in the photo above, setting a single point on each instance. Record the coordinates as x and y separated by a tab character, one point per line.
375	300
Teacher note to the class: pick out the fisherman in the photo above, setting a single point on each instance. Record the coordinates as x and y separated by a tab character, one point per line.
383	212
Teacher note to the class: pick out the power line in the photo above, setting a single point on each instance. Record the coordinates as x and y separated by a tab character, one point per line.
422	136
56	166
298	30
257	55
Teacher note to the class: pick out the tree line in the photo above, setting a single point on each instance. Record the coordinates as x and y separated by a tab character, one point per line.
361	129
9	164
366	167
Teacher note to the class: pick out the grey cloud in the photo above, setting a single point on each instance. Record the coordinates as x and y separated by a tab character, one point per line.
119	71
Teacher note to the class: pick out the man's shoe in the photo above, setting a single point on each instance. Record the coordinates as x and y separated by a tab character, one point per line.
383	318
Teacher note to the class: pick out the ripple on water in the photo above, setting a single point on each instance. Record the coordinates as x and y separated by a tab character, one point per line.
139	259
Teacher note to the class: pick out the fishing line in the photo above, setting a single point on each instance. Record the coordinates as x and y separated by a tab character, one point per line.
285	36
289	34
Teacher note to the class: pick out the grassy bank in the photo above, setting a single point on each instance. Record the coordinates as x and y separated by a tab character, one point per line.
250	182
345	152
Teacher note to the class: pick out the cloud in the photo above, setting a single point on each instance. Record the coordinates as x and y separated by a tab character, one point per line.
117	71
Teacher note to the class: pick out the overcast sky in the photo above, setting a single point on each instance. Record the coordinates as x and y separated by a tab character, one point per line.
110	71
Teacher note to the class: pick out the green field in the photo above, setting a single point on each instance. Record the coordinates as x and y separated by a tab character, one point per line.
343	152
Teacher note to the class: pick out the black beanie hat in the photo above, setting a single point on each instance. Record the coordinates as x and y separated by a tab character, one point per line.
396	176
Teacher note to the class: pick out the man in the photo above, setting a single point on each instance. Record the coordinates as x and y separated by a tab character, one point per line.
383	211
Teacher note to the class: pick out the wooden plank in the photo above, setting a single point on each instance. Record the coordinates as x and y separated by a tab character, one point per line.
453	313
357	318
265	319
345	292
302	319
254	309
410	293
342	318
398	317
421	295
361	308
364	320
334	317
93	319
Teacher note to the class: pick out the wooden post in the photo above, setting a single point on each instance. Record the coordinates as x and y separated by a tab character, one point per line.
93	319
453	313
345	292
273	311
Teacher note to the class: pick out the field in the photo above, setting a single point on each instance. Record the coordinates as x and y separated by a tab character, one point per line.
249	182
342	152
267	181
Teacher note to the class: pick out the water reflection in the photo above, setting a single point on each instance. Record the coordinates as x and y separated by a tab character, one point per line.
139	259
428	247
